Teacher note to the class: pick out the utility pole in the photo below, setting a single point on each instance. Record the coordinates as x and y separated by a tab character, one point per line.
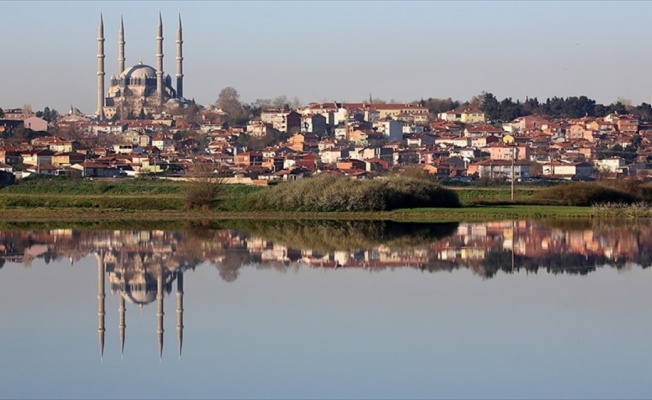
513	160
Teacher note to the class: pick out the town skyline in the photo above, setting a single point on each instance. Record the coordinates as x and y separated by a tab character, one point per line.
347	58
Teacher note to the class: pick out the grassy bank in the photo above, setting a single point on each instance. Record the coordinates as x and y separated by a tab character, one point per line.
64	199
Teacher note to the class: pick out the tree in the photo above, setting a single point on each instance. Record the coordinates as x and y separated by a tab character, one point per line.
643	112
295	103
2	113
509	110
205	186
436	106
281	102
27	110
47	115
618	107
229	101
490	106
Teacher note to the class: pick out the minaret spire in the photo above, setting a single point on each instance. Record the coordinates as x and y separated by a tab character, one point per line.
180	311
159	60
121	47
121	324
100	69
100	302
179	60
159	312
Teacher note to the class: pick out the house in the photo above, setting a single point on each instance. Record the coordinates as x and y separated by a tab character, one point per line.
259	129
36	124
392	130
292	174
163	142
502	169
10	155
422	139
282	120
334	154
505	152
94	169
248	158
48	169
611	165
440	169
472	117
483	141
136	138
307	162
304	142
67	159
349	164
376	165
36	157
418	114
482	130
580	170
627	124
450	116
127	148
314	123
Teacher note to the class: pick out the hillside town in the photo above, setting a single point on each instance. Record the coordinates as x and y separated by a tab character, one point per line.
359	140
145	124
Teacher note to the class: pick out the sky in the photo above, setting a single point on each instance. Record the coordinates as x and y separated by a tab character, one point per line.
335	50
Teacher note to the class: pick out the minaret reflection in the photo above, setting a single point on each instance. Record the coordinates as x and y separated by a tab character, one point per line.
121	324
100	302
159	313
180	311
140	279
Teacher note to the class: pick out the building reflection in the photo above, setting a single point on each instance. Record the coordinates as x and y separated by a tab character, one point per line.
140	283
143	267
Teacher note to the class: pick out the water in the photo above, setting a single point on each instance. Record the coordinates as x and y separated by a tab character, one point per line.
328	310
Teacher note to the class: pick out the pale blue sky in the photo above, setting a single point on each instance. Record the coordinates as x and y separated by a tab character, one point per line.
336	50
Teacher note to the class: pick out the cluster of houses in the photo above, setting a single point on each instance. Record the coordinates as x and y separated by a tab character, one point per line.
358	140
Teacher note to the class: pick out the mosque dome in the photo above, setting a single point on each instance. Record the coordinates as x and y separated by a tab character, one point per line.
140	296
140	70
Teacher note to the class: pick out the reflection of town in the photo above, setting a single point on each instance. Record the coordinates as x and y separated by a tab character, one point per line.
476	246
141	267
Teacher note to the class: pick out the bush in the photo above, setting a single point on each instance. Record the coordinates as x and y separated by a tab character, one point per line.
333	193
582	194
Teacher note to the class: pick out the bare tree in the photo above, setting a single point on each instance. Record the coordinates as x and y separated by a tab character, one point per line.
229	101
295	103
280	102
205	186
27	110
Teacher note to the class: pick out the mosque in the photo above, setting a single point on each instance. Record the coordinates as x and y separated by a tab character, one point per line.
139	89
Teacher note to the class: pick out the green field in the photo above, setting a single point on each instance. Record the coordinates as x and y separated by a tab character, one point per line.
53	199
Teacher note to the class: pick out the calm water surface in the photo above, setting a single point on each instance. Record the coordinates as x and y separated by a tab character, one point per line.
328	310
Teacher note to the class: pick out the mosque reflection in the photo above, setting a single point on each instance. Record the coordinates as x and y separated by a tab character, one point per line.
143	267
142	281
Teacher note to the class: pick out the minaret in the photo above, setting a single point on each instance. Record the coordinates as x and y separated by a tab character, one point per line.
159	312
121	324
180	311
100	302
179	61
121	47
159	60
100	69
